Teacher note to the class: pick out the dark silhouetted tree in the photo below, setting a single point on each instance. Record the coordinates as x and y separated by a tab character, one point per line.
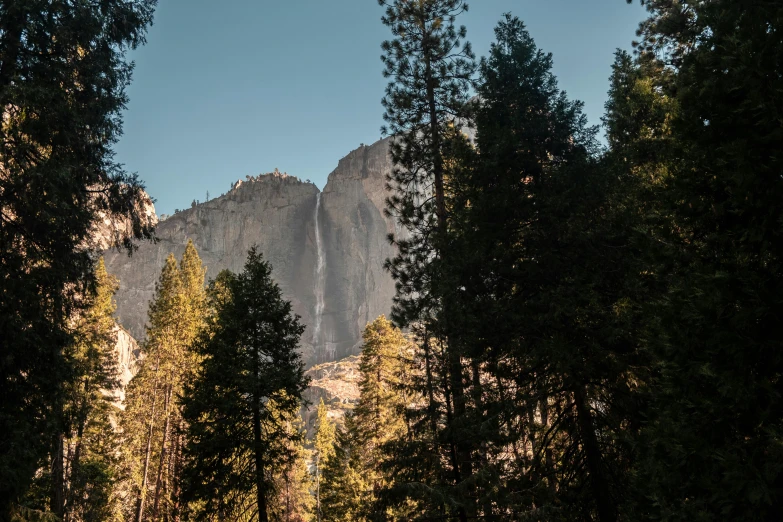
250	380
63	75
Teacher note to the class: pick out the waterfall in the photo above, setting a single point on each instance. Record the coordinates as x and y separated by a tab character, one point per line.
319	283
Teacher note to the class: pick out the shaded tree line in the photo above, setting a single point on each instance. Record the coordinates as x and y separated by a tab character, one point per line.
63	74
594	325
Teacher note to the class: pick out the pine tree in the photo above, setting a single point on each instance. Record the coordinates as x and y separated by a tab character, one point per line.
545	261
75	484
93	495
323	442
148	398
251	378
153	418
711	449
365	445
431	68
63	74
345	489
90	407
292	483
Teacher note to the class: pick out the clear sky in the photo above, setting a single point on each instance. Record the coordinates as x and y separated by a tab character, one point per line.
228	88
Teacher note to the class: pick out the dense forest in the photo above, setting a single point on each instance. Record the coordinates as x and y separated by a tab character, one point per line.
583	330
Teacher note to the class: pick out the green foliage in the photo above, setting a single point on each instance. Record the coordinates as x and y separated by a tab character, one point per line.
323	442
93	493
325	433
594	331
431	67
550	335
153	425
77	482
716	406
292	500
250	381
527	365
359	468
345	489
63	74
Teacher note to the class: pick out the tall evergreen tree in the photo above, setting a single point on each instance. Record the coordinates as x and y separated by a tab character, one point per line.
153	419
292	500
63	75
87	444
76	483
712	447
431	67
323	446
345	488
251	377
543	293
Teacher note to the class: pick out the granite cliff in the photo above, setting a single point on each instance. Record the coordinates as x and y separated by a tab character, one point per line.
327	249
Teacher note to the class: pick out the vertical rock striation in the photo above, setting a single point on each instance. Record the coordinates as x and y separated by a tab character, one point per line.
358	288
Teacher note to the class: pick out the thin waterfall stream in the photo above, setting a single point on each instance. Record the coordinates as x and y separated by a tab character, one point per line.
319	284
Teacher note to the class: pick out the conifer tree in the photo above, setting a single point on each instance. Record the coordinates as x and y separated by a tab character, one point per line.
545	270
712	447
345	489
323	442
77	482
250	380
431	67
361	468
292	482
153	419
90	459
63	74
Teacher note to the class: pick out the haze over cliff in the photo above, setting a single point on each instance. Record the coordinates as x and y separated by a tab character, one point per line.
327	249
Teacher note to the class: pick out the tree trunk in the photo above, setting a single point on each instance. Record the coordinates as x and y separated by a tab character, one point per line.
549	459
143	489
478	403
454	450
74	468
607	511
318	487
167	414
257	446
288	498
455	364
430	388
177	471
57	502
437	159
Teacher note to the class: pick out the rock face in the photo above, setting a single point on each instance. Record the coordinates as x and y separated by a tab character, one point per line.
337	383
107	231
326	249
128	355
358	289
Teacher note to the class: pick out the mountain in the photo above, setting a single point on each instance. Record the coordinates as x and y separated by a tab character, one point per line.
327	249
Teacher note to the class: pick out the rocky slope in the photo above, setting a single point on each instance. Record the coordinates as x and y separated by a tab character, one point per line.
326	249
337	383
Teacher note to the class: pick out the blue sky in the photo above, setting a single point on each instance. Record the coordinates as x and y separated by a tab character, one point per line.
236	87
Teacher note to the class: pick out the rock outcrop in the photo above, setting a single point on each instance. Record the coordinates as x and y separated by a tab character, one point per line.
277	212
107	231
128	356
337	383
